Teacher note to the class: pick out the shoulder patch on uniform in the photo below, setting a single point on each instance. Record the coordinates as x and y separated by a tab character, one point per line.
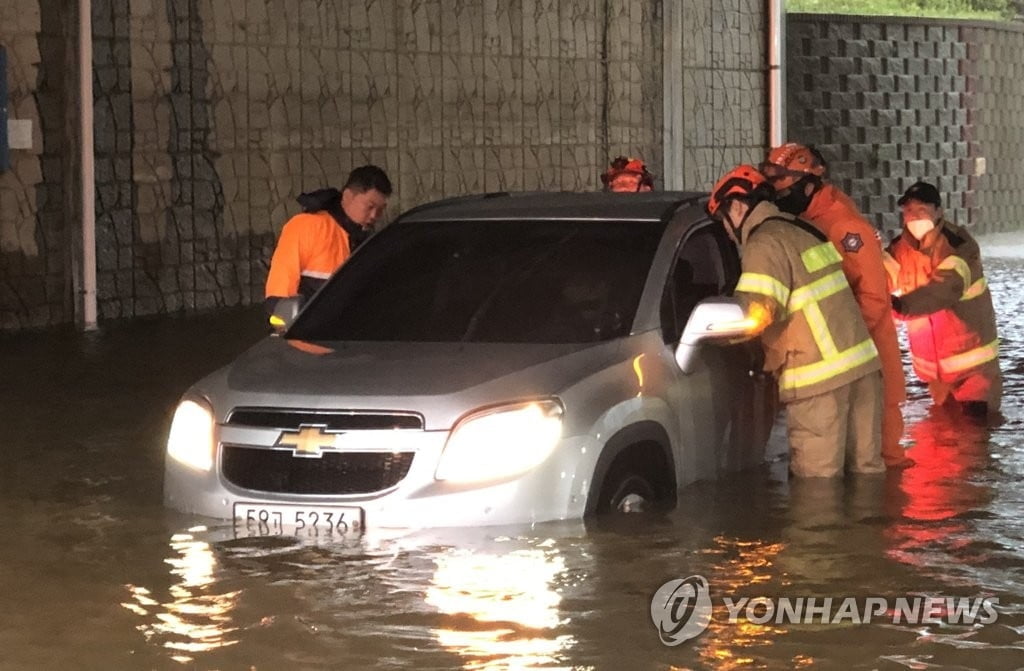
851	242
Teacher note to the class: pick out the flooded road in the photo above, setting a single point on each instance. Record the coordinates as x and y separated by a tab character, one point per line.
94	573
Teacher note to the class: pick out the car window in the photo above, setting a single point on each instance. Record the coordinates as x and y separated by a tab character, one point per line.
489	281
705	265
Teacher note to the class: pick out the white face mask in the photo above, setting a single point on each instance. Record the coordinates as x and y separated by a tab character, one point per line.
920	227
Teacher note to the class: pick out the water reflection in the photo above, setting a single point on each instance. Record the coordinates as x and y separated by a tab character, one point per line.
740	567
931	499
572	597
504	610
197	618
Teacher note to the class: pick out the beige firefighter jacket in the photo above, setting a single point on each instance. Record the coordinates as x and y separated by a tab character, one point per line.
814	336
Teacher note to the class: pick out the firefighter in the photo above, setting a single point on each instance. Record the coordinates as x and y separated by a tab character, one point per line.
315	242
627	175
814	338
799	175
943	297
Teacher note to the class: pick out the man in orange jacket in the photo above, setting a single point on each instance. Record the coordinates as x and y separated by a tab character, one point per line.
315	242
799	175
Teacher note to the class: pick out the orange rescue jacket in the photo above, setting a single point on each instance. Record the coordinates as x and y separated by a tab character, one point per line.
835	214
311	247
951	323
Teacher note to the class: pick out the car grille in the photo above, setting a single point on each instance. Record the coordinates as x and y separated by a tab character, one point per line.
278	471
333	472
333	420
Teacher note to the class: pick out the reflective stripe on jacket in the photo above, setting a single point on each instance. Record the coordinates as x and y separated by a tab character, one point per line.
836	215
951	324
815	339
311	247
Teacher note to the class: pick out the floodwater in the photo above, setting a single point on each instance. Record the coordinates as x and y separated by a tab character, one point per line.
95	574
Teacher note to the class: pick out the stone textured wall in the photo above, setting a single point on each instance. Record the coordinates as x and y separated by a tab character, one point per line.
890	101
211	116
35	195
724	111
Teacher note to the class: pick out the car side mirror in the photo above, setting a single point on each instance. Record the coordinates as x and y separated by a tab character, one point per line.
716	318
285	312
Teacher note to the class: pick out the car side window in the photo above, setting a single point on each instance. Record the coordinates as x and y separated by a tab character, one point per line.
705	265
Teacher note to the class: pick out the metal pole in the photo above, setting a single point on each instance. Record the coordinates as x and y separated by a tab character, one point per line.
776	69
672	97
4	153
88	175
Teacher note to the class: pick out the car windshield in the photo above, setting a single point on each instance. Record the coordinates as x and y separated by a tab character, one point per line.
487	281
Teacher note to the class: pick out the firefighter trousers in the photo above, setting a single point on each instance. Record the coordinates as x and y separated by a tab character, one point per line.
840	429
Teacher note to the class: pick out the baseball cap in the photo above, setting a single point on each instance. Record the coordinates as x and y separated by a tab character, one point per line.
923	192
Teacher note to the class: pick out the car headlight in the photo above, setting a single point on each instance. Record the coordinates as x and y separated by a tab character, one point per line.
501	442
190	440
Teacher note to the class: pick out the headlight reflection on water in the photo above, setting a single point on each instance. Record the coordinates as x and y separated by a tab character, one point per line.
503	607
740	566
193	620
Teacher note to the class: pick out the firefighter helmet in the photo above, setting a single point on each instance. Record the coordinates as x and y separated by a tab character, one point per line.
627	165
788	164
743	181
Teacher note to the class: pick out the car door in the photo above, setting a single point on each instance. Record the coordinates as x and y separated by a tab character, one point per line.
726	405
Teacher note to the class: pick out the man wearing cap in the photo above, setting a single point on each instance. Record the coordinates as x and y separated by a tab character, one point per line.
940	292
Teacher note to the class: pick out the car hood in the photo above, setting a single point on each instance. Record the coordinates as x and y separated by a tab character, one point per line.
442	381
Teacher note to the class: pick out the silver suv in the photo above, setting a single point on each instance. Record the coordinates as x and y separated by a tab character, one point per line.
491	359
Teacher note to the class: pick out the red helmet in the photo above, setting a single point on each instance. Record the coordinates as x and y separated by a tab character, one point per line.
627	165
743	181
788	164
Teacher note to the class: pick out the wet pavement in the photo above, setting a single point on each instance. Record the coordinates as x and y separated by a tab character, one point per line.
94	573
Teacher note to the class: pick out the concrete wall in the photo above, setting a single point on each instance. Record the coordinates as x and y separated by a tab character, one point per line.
717	52
211	116
36	194
890	101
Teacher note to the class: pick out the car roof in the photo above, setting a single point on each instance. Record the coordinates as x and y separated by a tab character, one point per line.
596	206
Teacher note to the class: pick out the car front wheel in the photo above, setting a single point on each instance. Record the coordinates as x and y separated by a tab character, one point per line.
628	492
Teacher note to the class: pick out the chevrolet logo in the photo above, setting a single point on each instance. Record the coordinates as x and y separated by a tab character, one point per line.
308	441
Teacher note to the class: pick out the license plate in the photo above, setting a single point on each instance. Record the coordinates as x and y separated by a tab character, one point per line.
260	519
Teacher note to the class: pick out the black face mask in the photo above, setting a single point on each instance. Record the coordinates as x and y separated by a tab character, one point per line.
796	201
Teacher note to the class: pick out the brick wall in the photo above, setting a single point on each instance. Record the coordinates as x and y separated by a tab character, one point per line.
995	107
890	101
